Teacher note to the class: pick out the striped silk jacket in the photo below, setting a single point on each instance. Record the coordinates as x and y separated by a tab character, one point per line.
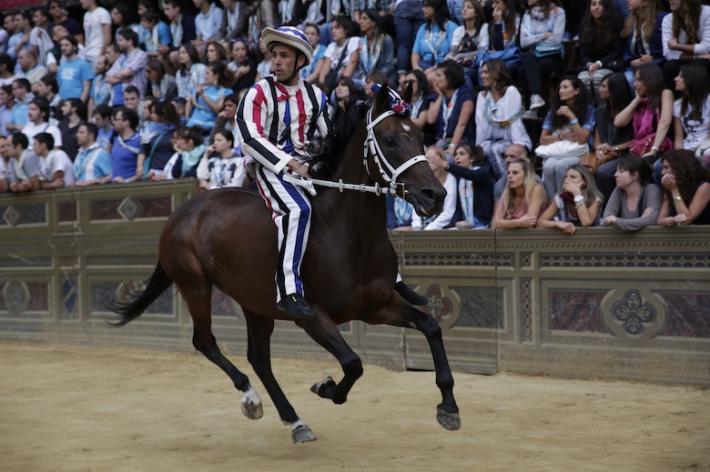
276	122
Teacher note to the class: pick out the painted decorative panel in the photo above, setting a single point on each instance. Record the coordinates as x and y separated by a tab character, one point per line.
105	209
571	310
481	307
688	314
18	297
18	215
70	297
131	208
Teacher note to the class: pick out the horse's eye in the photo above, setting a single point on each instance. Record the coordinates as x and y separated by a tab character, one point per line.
389	140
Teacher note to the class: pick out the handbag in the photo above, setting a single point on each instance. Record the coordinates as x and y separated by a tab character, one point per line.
331	79
590	161
562	149
511	56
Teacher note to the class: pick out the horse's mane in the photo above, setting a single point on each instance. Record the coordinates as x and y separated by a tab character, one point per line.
344	124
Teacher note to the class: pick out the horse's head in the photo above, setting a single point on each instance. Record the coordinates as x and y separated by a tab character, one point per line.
395	151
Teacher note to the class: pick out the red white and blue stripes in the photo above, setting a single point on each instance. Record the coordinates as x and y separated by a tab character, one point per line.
275	124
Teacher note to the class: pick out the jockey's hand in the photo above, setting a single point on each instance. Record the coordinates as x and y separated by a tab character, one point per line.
298	168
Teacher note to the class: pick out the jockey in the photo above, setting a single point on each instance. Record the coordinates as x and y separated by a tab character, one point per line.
276	123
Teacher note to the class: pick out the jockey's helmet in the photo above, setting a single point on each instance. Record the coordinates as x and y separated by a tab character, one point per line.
288	36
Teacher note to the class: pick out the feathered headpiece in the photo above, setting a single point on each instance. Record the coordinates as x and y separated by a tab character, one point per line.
396	103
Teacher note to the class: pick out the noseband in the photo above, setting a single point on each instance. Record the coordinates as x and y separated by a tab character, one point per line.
388	173
372	147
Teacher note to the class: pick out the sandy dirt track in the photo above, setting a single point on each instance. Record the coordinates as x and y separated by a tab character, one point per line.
67	408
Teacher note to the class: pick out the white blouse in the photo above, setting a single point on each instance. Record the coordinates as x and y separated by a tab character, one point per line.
503	117
443	219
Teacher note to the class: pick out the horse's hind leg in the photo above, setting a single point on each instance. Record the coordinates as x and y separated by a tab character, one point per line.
325	332
198	298
259	355
399	313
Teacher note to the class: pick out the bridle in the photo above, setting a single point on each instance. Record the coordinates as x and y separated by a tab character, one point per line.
372	148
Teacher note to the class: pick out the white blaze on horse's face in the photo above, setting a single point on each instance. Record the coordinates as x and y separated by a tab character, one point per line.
372	147
407	128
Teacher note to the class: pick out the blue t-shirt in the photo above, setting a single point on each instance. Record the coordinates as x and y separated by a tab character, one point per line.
71	76
432	44
100	163
100	90
124	156
202	115
19	114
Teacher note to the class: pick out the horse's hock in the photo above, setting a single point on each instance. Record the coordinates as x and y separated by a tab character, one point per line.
598	304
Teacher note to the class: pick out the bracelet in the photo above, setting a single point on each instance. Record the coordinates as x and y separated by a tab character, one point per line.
678	198
574	122
654	148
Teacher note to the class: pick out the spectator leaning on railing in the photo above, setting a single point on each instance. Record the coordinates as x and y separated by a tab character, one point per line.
686	190
55	169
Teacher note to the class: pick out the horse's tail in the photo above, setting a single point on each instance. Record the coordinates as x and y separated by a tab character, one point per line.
159	282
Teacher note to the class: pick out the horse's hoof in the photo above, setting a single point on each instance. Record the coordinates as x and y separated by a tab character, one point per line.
251	405
302	434
450	421
253	411
323	388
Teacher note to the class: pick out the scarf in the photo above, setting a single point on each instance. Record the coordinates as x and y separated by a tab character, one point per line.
370	54
176	32
191	158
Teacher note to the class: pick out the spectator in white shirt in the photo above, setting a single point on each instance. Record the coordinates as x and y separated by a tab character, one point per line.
97	30
38	116
685	34
208	22
39	35
691	112
27	66
22	164
437	163
55	169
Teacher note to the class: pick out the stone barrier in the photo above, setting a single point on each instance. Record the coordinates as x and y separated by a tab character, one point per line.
599	304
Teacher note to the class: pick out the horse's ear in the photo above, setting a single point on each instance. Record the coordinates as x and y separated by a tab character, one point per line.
382	99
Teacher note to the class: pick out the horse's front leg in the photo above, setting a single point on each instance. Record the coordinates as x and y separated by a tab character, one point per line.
398	312
325	332
259	355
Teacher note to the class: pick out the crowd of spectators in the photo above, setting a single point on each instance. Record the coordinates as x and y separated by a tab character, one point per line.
105	93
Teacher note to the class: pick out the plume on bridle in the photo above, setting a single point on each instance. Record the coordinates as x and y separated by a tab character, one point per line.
395	102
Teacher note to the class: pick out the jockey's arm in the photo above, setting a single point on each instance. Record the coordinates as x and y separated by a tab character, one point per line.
251	127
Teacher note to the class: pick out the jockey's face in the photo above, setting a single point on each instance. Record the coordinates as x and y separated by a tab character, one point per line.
283	63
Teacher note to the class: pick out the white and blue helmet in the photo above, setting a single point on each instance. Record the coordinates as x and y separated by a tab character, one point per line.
289	36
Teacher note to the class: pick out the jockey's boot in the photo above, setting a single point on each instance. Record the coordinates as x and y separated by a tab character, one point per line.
296	306
410	295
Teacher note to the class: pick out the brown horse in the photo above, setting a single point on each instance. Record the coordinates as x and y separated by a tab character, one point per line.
226	238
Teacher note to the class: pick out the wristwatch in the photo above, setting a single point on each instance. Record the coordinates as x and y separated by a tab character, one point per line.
677	198
578	199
